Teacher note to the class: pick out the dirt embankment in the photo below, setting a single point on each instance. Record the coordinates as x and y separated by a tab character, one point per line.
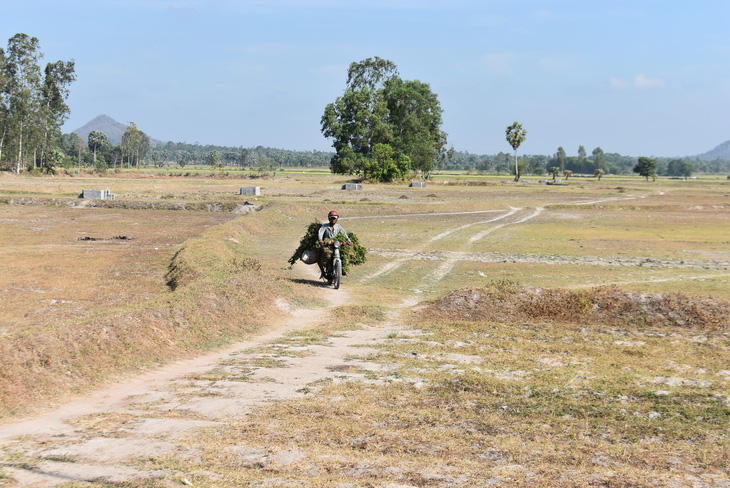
233	207
217	294
508	302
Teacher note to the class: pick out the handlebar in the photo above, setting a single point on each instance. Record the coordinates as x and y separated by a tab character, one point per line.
338	243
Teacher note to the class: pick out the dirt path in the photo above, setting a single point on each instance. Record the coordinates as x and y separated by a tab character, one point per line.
92	438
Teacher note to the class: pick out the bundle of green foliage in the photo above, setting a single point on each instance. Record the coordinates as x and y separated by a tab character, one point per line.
357	254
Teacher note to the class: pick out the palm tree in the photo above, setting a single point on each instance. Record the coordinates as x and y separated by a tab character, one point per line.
97	140
515	136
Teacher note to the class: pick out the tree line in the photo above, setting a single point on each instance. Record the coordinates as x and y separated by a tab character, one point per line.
382	127
581	163
137	149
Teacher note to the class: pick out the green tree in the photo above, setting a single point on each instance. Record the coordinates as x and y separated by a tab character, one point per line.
646	167
183	158
97	140
371	73
599	158
598	173
4	99
516	135
384	166
145	143
581	155
561	156
55	91
22	83
414	113
131	140
686	169
555	171
32	106
378	108
100	165
680	167
214	158
243	158
535	166
73	144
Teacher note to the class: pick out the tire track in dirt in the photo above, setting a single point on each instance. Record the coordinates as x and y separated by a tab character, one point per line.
447	266
410	255
444	269
450	262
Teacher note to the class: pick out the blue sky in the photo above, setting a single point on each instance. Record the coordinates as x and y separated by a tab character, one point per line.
636	77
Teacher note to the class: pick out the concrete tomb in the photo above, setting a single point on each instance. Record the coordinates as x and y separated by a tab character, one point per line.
97	194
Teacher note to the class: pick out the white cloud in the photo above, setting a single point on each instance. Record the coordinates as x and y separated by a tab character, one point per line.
502	63
639	82
555	64
618	83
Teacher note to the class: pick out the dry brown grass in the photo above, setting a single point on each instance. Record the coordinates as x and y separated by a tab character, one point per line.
76	311
476	403
508	302
493	385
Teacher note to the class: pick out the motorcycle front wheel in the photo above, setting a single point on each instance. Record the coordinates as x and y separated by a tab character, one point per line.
337	276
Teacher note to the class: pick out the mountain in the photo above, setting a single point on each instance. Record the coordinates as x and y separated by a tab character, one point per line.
113	129
720	152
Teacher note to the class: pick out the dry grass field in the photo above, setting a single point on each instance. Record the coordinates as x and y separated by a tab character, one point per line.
518	334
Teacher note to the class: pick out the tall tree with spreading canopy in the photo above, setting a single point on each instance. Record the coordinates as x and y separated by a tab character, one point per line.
380	109
646	167
515	135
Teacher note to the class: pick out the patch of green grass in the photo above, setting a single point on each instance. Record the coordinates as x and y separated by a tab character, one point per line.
358	314
256	362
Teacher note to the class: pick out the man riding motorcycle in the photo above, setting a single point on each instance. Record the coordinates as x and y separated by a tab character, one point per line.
326	234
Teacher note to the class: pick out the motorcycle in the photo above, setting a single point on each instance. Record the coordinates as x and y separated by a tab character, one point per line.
333	273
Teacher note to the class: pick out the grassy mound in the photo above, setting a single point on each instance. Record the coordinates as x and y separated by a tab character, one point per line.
509	302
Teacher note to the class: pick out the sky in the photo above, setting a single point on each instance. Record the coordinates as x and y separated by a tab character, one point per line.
634	77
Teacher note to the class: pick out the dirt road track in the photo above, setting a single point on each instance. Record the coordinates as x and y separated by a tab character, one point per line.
150	413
